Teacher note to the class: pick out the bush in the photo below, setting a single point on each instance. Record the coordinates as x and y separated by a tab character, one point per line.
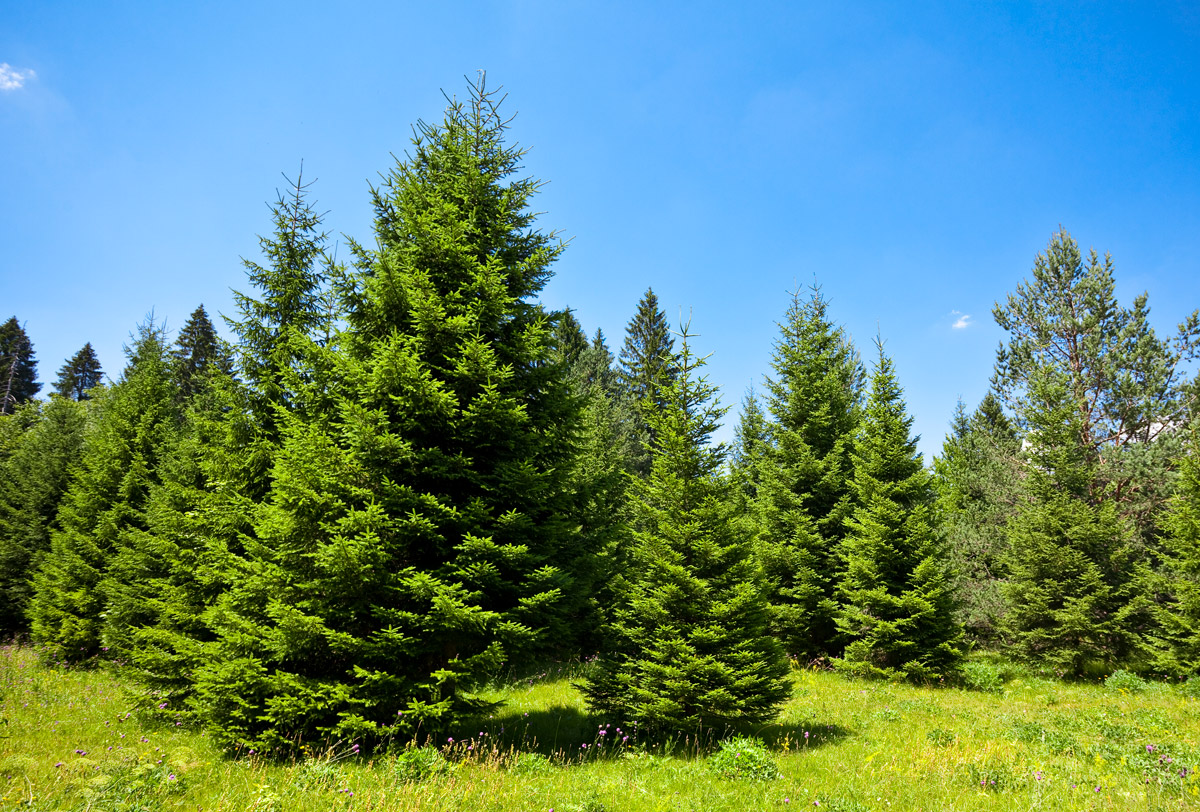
317	774
418	764
1125	682
744	757
1191	688
531	764
977	676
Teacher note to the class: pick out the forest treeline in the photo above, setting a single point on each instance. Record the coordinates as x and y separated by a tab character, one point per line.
403	473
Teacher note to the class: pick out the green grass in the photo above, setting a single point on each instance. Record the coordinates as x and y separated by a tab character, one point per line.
71	743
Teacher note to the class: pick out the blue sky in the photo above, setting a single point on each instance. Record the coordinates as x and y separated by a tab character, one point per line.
911	158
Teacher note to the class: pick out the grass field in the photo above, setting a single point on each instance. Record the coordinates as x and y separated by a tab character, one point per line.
70	742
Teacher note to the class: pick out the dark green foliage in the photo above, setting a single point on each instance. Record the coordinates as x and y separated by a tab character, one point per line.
978	478
750	443
1179	620
646	365
198	349
689	645
418	530
803	476
33	477
18	367
1073	590
80	374
105	501
898	610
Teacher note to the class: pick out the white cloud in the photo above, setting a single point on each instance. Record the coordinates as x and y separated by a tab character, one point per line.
12	78
964	320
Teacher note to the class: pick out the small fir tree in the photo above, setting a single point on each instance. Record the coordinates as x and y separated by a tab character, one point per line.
803	482
645	366
897	612
1178	643
18	367
690	645
197	349
80	374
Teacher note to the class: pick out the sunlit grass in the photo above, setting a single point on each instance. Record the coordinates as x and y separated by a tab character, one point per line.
70	742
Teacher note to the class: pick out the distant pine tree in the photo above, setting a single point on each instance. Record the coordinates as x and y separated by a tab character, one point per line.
197	349
80	374
689	645
646	365
897	611
18	367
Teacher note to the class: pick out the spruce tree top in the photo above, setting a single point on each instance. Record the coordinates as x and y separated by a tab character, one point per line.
647	357
79	374
18	367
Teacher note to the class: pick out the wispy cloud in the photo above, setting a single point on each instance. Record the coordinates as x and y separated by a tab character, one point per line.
13	78
963	322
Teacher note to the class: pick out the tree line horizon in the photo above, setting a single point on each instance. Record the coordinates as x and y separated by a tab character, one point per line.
405	473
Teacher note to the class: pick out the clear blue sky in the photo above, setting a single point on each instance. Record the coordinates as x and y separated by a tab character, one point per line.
912	158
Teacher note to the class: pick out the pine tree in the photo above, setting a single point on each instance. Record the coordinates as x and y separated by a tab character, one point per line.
418	529
690	645
33	477
1097	396
750	444
18	367
105	499
978	478
197	349
803	483
80	374
897	611
646	365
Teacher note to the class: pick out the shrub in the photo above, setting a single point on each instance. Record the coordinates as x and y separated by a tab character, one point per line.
1191	688
317	774
977	676
418	764
1125	682
531	764
744	757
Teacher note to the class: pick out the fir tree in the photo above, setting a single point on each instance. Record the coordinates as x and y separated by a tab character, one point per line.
33	476
897	611
978	478
1178	644
105	499
79	375
690	645
750	444
197	349
1074	589
803	482
18	367
418	528
646	365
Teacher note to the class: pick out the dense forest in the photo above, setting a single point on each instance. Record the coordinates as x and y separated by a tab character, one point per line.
404	473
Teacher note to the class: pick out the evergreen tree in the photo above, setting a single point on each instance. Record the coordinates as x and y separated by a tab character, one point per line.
418	528
105	499
79	375
197	348
803	487
1074	590
750	444
979	486
18	367
898	611
33	476
690	645
1178	649
646	365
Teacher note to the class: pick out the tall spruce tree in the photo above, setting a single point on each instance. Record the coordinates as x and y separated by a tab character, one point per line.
978	478
897	612
690	644
18	367
1178	644
646	365
105	499
803	481
80	374
418	528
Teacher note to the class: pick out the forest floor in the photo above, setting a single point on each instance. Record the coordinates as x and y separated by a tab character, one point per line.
70	742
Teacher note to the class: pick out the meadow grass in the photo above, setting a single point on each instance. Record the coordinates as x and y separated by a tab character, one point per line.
71	743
